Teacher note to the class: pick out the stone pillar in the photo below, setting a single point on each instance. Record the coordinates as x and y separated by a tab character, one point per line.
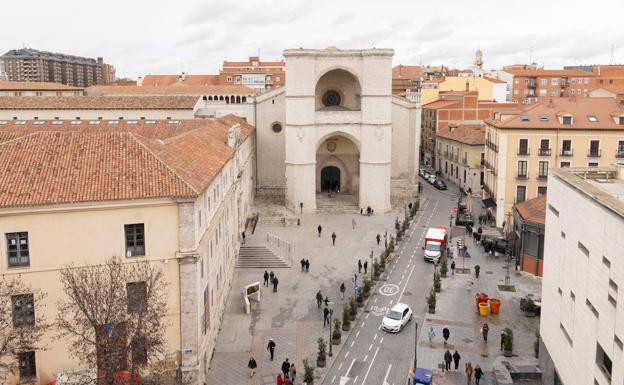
375	163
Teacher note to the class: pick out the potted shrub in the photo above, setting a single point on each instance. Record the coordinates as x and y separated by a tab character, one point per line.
352	308
431	301
367	288
321	357
536	343
360	299
437	282
508	343
443	267
308	372
346	319
382	262
390	248
375	270
336	334
529	307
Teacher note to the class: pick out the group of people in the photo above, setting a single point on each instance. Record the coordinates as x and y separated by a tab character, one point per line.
474	233
270	278
485	218
369	211
305	265
319	229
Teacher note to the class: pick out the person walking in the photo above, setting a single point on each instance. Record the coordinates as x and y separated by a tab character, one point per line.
271	276
326	301
266	279
502	339
378	237
359	266
307	264
431	334
325	316
468	373
456	358
478	373
319	299
453	268
292	373
447	360
446	333
275	282
319	229
333	236
365	266
252	365
243	237
343	288
271	347
302	264
484	331
477	270
353	223
285	367
280	380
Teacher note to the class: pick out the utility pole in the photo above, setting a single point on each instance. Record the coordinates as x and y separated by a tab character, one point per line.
415	347
331	312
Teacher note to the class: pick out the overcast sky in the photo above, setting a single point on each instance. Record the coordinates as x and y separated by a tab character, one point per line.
165	36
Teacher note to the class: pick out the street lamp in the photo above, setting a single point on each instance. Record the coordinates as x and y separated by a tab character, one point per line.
331	312
450	221
372	266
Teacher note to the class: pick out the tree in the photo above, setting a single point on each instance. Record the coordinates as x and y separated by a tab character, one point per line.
22	323
113	315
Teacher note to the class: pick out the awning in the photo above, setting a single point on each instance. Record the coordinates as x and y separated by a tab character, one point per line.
489	202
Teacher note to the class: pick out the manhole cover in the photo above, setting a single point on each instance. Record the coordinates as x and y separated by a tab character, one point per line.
407	293
489	272
506	288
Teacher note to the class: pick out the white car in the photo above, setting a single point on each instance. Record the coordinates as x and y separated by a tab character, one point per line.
431	178
396	318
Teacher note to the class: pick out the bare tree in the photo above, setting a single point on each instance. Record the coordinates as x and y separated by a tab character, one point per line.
22	323
113	316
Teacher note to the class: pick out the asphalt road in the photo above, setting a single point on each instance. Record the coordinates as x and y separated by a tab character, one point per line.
370	355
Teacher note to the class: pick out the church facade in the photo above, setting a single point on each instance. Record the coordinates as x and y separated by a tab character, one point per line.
336	128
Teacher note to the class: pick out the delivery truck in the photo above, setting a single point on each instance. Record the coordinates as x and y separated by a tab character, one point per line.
435	243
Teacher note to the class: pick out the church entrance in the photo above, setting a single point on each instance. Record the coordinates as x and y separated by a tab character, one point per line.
330	179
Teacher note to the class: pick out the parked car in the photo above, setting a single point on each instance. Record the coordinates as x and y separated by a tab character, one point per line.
499	244
424	173
396	318
431	178
440	185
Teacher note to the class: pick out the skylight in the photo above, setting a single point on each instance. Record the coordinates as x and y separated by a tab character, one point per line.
113	121
174	121
543	118
38	122
592	118
524	118
3	122
150	122
57	122
20	122
76	122
131	122
94	122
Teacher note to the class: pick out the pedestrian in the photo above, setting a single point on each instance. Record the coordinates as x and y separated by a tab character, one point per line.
480	230
319	229
252	365
484	331
431	334
446	333
456	358
342	290
243	237
292	373
502	339
378	238
333	236
353	223
361	210
359	265
319	299
275	282
447	360
285	367
326	301
302	264
477	270
365	266
280	380
478	373
271	347
453	268
271	276
266	278
325	316
468	373
468	229
493	251
307	264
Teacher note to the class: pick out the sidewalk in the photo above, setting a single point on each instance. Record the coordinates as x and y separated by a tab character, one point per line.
456	310
291	316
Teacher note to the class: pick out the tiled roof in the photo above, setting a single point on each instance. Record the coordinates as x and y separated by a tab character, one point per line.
493	80
64	163
191	80
533	210
547	114
97	102
36	86
248	64
407	72
177	89
549	73
473	134
441	104
610	88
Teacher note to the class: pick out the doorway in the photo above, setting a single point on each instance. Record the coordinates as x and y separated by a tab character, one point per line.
330	179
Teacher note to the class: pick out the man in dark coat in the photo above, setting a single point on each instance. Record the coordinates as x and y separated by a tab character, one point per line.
446	333
319	299
333	236
275	282
271	347
266	279
456	358
447	360
378	237
302	264
307	264
365	266
285	368
325	316
319	229
359	265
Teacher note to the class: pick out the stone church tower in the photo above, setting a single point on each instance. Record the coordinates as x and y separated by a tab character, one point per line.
338	126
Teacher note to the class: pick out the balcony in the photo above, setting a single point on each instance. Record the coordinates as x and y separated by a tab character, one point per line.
523	151
542	175
544	152
619	154
493	146
594	153
522	175
455	157
531	84
465	161
567	152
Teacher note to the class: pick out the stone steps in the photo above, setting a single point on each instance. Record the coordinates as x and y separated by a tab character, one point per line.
271	221
259	257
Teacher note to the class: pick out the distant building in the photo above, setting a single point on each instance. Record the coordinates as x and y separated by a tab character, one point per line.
531	85
406	81
488	88
31	65
8	88
528	227
582	326
460	152
259	75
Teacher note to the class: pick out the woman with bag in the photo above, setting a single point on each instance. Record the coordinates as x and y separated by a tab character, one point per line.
478	374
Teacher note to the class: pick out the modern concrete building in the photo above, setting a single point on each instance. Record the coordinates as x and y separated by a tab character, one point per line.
175	193
582	319
563	132
460	154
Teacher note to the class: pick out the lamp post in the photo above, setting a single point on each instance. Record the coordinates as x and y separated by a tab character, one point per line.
372	266
450	221
331	312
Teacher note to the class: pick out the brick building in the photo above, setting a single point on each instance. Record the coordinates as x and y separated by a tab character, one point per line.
254	73
532	85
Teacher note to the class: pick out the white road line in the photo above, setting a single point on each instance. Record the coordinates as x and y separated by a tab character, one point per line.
356	377
400	282
374	338
339	367
357	334
363	323
365	357
347	355
385	377
381	340
348	370
371	365
367	315
333	379
375	300
370	347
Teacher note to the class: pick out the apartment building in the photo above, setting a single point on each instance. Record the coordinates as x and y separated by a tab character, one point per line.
522	147
528	228
487	88
582	321
8	88
460	154
406	81
532	85
31	65
254	73
175	193
182	79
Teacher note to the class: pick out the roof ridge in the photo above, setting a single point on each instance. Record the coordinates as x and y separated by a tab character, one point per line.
136	138
32	133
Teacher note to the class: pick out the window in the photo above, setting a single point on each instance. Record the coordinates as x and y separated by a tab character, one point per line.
567	120
23	310
520	194
583	249
554	81
606	262
542	92
591	307
592	118
139	350
553	92
603	361
541	190
522	168
135	239
543	82
543	118
17	249
27	365
618	342
594	148
592	164
621	120
137	296
554	210
542	171
620	149
544	149
229	78
523	147
524	118
565	164
566	147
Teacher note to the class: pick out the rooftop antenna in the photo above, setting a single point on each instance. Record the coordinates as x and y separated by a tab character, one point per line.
611	53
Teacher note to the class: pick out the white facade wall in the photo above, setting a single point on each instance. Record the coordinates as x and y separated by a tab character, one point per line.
271	148
41	93
569	328
499	92
70	114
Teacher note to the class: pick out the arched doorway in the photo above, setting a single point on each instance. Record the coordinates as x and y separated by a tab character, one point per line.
330	179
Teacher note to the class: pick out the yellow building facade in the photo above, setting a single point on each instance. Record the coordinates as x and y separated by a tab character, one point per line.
459	153
488	88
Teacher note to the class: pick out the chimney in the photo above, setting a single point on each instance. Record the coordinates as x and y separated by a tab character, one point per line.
183	76
619	100
467	86
139	81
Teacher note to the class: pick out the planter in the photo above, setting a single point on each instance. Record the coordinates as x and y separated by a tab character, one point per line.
443	274
481	298
507	353
484	309
530	314
346	327
431	309
336	341
320	363
360	304
438	289
352	316
495	304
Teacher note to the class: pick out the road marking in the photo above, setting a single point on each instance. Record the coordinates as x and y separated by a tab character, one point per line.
363	323
408	278
374	338
370	347
367	315
381	340
339	367
356	377
347	355
352	362
365	357
386	376
357	334
352	342
400	282
333	379
371	365
375	300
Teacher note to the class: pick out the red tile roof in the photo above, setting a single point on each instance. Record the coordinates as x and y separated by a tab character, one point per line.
177	89
171	102
36	86
441	104
191	80
493	80
407	72
549	73
64	163
472	134
533	210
